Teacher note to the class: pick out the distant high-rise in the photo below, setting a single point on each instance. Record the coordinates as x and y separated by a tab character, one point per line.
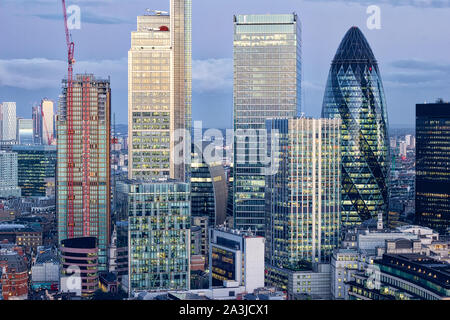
8	175
25	131
433	165
355	94
90	183
8	121
36	165
267	84
159	94
303	197
47	122
37	124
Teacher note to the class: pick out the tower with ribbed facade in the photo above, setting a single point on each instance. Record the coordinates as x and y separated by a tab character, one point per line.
355	94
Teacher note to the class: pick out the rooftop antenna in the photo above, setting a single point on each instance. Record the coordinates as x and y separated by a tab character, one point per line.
156	12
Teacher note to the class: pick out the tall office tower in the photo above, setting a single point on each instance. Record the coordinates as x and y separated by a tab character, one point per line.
209	191
24	131
47	122
433	165
303	197
36	166
159	94
8	121
355	94
267	83
83	193
37	124
159	235
8	175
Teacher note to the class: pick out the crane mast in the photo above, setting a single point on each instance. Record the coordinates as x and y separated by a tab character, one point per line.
70	130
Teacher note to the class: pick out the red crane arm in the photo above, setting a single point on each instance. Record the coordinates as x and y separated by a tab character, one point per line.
70	44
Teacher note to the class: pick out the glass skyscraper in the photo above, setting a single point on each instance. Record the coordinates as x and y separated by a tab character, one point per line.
209	191
159	235
355	94
303	196
202	190
433	165
47	122
35	165
267	82
159	93
25	131
37	124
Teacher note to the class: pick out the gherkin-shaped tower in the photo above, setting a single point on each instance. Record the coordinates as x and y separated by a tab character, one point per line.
355	94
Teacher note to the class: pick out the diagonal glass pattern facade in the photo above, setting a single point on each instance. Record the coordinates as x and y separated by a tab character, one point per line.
355	94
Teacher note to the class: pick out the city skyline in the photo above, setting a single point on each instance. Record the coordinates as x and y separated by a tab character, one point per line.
305	178
403	65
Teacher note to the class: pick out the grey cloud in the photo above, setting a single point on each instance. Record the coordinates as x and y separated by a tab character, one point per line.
397	3
86	17
40	73
418	73
420	65
212	75
90	3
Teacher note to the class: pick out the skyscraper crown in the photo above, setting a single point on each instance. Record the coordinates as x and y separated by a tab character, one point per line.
354	48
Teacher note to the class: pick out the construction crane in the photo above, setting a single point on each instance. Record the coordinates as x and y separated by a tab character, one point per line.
70	130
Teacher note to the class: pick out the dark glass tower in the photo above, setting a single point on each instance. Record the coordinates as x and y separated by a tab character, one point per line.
35	165
209	191
433	165
355	94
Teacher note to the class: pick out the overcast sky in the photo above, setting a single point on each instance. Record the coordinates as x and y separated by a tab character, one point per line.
412	48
